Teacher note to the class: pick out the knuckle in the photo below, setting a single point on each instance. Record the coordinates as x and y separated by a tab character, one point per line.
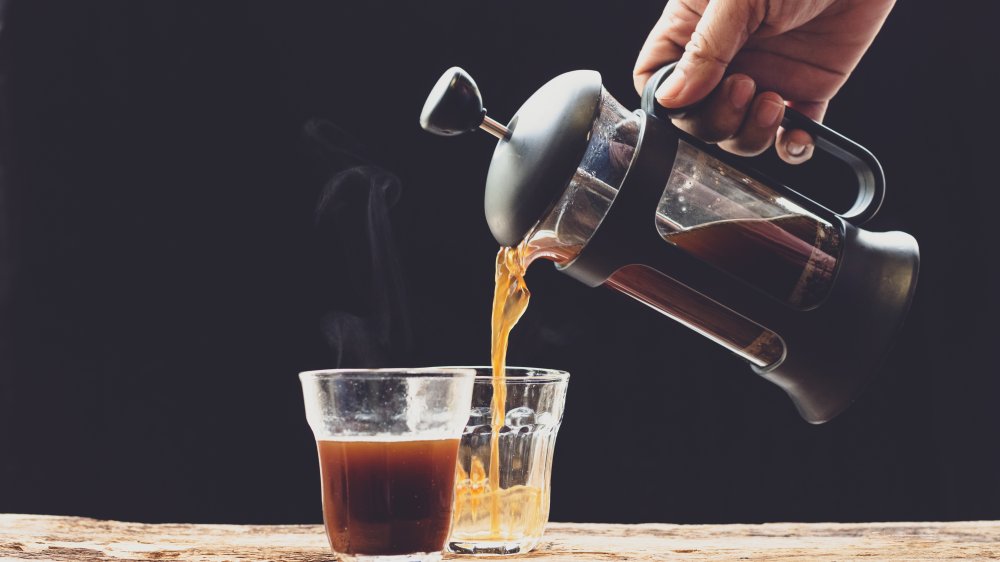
703	50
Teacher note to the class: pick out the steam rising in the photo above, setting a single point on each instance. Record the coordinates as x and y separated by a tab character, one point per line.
356	202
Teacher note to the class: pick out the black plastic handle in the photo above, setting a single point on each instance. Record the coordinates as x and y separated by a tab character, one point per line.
871	178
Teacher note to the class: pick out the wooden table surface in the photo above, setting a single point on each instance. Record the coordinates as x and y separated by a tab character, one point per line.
40	537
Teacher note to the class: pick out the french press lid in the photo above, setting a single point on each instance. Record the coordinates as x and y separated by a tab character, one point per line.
538	151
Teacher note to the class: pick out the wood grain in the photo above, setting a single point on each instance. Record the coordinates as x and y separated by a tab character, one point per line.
40	537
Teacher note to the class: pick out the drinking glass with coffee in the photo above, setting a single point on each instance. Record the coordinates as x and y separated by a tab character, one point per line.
387	442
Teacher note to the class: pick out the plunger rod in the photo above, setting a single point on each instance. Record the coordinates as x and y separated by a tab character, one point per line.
494	128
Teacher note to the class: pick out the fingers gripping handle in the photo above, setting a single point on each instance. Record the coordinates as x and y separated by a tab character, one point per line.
870	177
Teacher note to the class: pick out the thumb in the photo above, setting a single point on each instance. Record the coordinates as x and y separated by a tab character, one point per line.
723	29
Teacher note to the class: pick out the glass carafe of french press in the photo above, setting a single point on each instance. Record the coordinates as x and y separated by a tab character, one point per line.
627	200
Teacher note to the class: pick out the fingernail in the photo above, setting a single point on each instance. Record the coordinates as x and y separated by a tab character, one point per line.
795	149
767	113
672	87
740	92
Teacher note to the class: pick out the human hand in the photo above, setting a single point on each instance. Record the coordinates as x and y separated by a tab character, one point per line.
794	52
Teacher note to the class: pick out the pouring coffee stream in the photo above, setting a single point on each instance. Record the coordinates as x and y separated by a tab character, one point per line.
625	199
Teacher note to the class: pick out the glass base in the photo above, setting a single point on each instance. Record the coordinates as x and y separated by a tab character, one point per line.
415	557
493	548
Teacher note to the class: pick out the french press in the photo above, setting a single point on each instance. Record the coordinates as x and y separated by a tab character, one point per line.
625	199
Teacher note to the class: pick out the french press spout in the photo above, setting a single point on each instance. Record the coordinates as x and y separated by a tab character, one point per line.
627	200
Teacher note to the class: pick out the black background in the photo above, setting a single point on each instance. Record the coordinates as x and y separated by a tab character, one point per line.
162	282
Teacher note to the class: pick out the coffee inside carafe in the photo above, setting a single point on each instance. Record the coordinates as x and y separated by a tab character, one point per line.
745	228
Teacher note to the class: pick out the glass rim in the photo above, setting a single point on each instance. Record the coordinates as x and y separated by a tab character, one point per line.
389	373
522	375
